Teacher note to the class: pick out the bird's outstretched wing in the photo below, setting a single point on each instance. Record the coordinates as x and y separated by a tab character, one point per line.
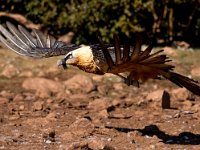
143	65
37	44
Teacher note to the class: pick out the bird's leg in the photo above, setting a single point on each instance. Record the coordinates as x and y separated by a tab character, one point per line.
128	81
131	81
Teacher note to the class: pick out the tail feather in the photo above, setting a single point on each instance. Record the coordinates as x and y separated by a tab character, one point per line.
136	48
186	82
160	59
145	54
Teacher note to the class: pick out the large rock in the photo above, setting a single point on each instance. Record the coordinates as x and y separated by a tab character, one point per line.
43	87
80	82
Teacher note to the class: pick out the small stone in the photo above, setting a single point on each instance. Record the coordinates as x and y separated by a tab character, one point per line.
116	102
96	144
10	71
177	115
67	136
49	137
195	72
54	70
102	89
7	94
3	100
152	146
98	78
51	115
35	123
14	117
180	94
49	101
18	97
103	113
78	146
26	74
82	127
155	95
38	105
118	86
165	100
99	104
21	107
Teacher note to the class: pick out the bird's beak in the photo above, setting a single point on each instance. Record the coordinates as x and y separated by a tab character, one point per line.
67	60
62	63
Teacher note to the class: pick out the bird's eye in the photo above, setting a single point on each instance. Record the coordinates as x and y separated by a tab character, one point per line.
70	56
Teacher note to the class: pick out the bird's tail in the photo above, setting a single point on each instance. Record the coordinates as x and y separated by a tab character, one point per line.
183	81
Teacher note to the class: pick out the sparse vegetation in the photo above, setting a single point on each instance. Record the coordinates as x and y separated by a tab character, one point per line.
162	20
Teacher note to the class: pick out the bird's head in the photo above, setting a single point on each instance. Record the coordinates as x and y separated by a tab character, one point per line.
82	57
79	56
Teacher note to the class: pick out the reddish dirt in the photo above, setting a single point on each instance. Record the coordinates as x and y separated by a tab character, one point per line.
45	107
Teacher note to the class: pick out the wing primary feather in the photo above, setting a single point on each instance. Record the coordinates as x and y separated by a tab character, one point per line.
117	49
156	53
38	45
136	48
40	38
48	45
146	52
28	36
150	57
11	46
126	51
11	38
52	41
106	54
17	34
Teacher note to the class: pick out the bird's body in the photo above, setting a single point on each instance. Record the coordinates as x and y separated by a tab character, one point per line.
98	58
91	58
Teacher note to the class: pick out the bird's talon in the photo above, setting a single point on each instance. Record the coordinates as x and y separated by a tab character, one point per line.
129	82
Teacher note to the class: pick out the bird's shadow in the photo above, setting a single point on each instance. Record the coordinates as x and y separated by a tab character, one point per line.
185	138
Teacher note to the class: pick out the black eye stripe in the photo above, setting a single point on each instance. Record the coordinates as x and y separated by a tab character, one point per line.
68	56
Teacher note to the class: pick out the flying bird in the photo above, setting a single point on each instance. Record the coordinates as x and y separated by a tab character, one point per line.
100	58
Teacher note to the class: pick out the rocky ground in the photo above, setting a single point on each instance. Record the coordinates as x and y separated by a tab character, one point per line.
45	107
